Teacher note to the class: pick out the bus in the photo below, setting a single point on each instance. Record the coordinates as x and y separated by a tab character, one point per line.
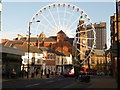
84	70
68	70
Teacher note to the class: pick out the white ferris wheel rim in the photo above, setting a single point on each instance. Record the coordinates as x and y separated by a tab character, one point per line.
75	8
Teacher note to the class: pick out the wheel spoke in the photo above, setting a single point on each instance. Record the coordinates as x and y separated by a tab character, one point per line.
53	18
45	26
84	38
80	51
47	21
85	45
64	16
71	16
86	30
73	22
58	15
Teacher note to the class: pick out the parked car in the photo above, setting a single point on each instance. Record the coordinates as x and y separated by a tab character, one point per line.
92	71
100	73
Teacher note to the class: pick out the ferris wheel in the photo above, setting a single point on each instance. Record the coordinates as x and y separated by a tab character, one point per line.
66	17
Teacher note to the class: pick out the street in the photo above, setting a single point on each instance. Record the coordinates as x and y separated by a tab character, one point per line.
55	82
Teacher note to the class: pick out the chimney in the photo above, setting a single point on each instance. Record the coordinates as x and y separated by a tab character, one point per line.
27	36
19	36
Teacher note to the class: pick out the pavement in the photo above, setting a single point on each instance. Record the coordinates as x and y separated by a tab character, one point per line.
25	78
103	82
96	82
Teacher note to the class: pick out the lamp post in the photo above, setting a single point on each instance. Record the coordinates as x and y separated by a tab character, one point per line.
106	62
29	46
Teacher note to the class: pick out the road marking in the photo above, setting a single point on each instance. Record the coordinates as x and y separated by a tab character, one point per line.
32	85
50	81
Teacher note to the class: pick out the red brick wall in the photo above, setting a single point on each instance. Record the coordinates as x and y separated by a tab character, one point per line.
50	62
4	40
47	44
60	37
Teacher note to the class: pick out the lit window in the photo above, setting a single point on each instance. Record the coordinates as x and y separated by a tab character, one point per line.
92	61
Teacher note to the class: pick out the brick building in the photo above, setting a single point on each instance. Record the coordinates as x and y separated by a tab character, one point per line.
60	46
113	48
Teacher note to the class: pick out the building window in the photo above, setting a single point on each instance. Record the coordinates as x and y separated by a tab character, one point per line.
92	61
50	56
33	43
57	60
38	61
33	59
38	54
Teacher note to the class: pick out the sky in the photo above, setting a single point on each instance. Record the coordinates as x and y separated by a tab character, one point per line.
16	15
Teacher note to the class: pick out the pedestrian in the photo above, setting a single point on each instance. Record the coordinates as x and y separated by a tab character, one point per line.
47	73
14	73
27	73
41	73
37	72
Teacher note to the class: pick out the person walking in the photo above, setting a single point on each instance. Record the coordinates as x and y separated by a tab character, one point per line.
47	73
41	73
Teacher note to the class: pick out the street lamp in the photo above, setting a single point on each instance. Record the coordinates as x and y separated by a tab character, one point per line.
29	45
106	62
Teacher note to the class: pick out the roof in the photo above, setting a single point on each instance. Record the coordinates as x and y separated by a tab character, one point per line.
8	43
43	48
12	43
49	40
56	52
10	50
24	47
54	37
66	53
61	32
51	51
34	39
22	38
69	40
